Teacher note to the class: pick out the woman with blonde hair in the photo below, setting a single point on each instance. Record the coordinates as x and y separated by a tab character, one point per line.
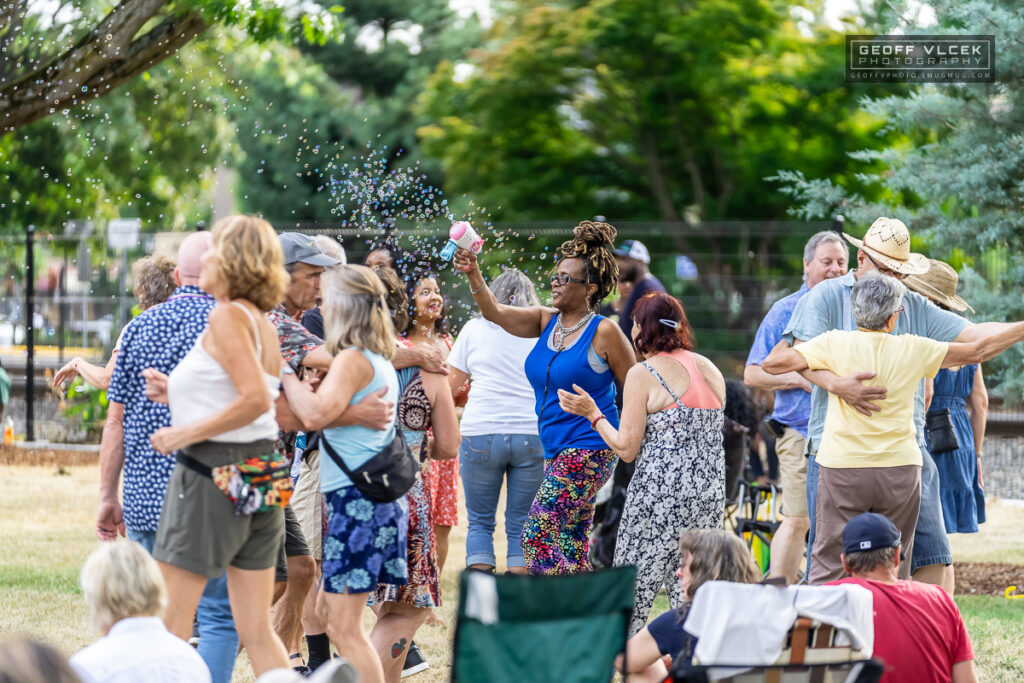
707	555
366	541
221	399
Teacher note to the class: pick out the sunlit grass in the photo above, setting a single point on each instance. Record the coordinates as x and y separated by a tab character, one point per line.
46	532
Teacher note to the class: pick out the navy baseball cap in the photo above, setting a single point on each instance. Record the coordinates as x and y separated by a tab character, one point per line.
634	249
869	531
299	248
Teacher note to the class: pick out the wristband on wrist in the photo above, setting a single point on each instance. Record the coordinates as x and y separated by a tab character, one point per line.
474	291
593	425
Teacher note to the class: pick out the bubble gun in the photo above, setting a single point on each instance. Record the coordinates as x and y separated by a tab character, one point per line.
462	235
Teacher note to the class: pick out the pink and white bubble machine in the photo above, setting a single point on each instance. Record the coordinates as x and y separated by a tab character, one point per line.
462	236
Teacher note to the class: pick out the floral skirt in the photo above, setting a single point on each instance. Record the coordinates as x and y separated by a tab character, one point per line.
423	588
442	477
366	542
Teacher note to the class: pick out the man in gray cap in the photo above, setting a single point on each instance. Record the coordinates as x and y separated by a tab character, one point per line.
633	259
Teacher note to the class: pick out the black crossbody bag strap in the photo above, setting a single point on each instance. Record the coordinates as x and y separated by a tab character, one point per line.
334	456
194	465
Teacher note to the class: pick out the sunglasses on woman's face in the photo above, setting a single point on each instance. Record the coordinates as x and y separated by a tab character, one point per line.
563	280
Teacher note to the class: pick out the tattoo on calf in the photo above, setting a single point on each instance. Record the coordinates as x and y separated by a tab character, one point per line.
398	648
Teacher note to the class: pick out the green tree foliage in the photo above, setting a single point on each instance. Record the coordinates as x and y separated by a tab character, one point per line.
957	179
656	110
651	110
145	151
309	110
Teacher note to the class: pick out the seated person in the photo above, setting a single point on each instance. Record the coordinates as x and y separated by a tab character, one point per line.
874	463
125	593
919	632
23	660
707	555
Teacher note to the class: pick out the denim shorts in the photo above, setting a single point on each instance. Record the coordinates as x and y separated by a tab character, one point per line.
931	544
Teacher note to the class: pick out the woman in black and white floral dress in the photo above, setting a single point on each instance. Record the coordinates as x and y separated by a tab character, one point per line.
672	418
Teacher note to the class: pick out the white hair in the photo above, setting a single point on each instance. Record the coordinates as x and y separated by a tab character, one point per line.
121	580
330	247
874	298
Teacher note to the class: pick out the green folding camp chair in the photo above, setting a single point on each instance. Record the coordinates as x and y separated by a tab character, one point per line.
562	629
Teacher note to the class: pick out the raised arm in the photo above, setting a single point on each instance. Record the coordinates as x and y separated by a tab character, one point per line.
521	322
990	341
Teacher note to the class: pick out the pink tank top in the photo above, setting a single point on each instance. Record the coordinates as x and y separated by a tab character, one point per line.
698	394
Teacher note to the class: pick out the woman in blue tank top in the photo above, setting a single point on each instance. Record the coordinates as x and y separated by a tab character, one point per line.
576	347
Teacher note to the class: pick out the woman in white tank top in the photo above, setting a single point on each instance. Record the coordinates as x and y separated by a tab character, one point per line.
221	397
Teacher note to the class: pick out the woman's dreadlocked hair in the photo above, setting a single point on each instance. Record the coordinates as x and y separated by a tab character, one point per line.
592	243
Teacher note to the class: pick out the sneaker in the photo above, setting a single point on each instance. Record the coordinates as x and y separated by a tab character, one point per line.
415	662
303	671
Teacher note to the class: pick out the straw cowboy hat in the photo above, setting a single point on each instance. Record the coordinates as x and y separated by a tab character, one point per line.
939	285
887	241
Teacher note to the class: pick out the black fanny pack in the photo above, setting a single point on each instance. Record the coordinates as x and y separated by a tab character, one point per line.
939	431
385	477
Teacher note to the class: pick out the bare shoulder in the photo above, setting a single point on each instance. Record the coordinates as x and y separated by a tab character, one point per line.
711	374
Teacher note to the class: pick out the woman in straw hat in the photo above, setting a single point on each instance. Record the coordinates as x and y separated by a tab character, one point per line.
960	391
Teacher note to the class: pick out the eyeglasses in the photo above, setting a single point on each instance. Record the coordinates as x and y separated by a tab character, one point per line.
883	270
563	280
898	311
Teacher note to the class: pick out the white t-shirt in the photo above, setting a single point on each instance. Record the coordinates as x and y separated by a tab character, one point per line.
140	649
501	400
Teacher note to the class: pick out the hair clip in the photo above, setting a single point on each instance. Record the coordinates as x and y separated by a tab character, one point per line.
669	323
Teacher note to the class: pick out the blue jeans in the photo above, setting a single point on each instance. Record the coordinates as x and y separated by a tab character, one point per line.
931	545
218	640
484	461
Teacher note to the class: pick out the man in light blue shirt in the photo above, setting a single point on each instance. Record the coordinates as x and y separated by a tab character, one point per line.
825	257
886	249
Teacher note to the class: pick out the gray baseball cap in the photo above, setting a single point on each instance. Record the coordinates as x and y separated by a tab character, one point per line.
299	248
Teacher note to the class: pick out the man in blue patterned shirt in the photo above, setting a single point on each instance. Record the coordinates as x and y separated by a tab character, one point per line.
825	257
159	338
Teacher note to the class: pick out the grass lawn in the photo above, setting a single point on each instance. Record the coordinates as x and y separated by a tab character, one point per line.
46	532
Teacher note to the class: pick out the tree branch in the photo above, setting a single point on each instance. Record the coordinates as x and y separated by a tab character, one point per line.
97	64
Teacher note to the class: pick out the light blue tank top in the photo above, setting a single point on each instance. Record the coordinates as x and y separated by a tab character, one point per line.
357	444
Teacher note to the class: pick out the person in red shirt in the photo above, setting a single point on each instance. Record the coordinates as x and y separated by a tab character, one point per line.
919	632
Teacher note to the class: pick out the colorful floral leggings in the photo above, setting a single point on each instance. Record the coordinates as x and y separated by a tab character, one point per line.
556	538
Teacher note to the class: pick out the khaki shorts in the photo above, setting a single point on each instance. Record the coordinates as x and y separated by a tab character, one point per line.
792	473
844	493
307	503
199	530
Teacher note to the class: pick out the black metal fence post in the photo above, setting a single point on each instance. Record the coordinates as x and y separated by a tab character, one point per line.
30	359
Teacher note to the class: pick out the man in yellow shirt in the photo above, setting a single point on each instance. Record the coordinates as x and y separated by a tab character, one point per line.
874	463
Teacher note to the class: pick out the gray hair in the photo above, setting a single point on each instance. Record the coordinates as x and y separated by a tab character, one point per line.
121	580
330	247
820	238
513	288
874	298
